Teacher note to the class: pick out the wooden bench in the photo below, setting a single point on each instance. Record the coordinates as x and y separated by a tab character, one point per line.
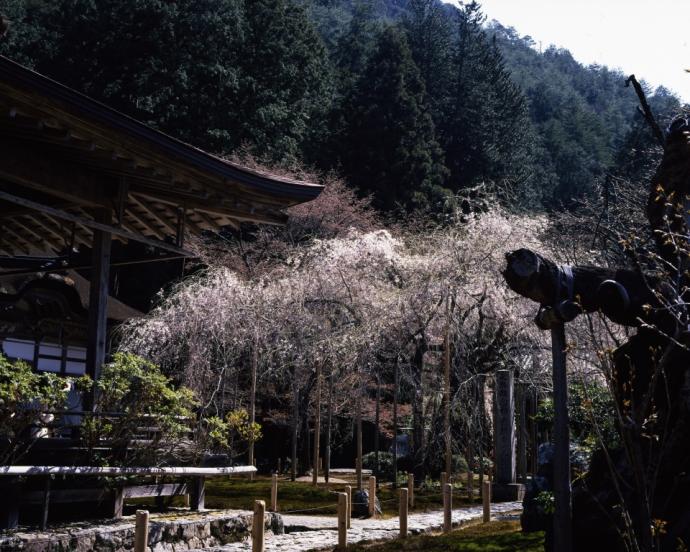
9	505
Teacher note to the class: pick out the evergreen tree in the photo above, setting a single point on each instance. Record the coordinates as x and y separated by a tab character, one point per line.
487	132
390	147
217	73
430	37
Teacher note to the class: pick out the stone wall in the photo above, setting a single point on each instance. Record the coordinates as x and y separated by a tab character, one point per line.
167	533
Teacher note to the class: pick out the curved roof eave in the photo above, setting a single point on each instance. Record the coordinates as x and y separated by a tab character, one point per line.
82	106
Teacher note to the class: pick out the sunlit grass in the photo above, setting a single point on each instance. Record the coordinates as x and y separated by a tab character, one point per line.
240	494
498	536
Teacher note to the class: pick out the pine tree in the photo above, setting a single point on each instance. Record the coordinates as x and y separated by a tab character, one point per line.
430	37
390	147
487	135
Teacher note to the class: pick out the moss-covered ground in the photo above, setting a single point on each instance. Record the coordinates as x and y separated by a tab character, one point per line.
241	493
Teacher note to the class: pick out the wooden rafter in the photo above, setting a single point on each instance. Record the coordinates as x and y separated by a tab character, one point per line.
145	223
93	225
38	237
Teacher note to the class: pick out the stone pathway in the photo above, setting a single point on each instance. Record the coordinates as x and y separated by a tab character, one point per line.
304	533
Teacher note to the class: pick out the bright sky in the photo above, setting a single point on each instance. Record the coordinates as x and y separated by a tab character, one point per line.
649	38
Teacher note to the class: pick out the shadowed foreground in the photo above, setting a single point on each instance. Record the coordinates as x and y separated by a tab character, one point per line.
498	536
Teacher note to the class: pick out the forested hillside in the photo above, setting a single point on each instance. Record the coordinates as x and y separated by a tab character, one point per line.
413	101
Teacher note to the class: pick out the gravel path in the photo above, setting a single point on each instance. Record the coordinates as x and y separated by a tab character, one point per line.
304	533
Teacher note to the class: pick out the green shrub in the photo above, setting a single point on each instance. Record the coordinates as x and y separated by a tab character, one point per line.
139	416
24	397
385	464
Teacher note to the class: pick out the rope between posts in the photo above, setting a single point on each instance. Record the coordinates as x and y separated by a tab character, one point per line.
310	509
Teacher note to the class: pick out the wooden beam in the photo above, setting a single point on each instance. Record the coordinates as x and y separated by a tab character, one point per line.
93	225
220	209
49	177
98	301
101	471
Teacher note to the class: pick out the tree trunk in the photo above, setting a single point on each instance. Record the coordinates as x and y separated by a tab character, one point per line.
295	423
396	383
317	427
446	405
329	417
376	429
252	399
359	440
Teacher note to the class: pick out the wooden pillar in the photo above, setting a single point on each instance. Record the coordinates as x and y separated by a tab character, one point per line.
46	504
486	501
402	512
98	302
410	488
343	507
372	496
505	427
317	427
348	492
447	508
141	531
198	493
274	492
118	502
9	505
562	518
258	526
444	480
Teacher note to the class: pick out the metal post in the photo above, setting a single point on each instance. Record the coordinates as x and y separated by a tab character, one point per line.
561	460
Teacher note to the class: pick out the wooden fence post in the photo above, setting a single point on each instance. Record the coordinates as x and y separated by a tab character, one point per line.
372	496
258	526
348	492
343	507
402	512
486	500
274	492
447	508
410	488
141	531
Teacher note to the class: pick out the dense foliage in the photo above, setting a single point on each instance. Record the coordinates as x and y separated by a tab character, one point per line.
25	397
413	101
